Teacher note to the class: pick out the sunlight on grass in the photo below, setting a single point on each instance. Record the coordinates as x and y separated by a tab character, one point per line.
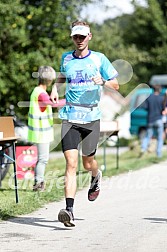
54	177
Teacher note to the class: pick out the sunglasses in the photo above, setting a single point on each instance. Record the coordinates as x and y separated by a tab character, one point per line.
80	37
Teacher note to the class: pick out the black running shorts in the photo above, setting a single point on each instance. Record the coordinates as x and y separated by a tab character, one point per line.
88	134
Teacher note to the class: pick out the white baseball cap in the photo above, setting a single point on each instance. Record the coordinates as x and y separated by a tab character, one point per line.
80	29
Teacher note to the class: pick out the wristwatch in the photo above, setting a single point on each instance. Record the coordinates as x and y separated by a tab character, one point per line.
104	82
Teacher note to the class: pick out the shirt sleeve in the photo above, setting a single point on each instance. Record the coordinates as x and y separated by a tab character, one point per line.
44	100
107	70
62	66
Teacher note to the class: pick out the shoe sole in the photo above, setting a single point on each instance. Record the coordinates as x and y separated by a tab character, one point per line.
39	187
65	218
93	196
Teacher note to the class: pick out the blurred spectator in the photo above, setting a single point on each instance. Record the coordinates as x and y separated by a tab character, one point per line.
40	122
155	107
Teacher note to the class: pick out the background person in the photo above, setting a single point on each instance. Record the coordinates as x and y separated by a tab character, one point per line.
40	122
155	107
164	117
85	72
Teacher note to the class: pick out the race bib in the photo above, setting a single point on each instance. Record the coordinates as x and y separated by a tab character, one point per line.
79	114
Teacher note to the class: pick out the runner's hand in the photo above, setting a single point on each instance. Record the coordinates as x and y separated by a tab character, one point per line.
98	80
54	95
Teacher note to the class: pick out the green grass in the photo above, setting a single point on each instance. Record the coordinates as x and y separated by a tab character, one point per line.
30	201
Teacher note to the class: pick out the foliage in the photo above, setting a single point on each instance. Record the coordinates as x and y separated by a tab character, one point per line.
33	33
147	29
163	5
139	38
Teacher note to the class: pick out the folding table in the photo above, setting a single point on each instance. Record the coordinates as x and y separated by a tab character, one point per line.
9	139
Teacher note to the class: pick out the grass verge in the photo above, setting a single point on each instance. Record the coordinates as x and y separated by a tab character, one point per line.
30	201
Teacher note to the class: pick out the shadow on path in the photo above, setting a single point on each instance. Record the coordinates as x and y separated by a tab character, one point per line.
39	222
157	220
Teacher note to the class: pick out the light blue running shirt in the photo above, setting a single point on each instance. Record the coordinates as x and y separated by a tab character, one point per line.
82	94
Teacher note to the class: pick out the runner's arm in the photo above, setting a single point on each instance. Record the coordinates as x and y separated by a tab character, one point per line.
54	94
44	100
113	84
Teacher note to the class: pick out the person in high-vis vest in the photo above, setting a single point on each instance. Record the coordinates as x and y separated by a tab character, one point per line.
40	122
85	73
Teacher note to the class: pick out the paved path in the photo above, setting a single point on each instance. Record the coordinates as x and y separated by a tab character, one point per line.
130	215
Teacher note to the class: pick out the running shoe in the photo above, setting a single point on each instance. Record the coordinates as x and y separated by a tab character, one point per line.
66	217
95	187
39	187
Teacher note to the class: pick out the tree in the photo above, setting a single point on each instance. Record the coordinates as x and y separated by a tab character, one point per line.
146	29
33	33
13	40
139	38
36	33
163	5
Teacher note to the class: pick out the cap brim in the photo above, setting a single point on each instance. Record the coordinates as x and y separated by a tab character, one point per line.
80	30
79	33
